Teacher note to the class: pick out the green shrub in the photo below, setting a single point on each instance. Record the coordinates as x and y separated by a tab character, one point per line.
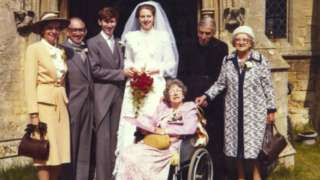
18	173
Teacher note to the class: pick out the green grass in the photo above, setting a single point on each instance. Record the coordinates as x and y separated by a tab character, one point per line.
307	164
307	167
19	173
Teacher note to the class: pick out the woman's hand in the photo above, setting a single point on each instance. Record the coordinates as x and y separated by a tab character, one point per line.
270	118
152	72
202	101
34	118
160	131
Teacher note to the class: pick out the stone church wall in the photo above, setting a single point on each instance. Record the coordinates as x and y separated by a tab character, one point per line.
12	111
302	54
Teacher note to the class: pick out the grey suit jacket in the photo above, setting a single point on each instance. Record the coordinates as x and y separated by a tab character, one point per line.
79	81
79	87
106	69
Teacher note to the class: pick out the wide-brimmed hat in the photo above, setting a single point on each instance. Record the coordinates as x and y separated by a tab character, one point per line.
244	29
49	17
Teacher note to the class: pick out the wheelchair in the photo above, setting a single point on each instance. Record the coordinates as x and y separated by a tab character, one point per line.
195	163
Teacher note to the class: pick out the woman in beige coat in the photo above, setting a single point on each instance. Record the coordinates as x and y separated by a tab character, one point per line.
45	69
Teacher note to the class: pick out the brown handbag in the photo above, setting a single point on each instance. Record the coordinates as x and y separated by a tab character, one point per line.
272	145
37	149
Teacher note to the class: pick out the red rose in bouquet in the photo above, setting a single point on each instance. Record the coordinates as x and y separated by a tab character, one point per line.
141	85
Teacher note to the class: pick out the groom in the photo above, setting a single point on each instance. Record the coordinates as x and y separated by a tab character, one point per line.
106	61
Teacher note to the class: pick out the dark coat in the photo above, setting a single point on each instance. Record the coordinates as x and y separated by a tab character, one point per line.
200	65
199	68
80	93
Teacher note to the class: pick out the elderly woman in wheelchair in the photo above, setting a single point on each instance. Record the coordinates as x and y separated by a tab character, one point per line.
152	156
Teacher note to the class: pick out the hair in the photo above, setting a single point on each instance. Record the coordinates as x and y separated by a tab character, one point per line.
145	6
251	40
208	21
43	26
171	83
76	19
108	13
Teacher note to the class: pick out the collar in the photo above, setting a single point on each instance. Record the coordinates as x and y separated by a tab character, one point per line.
81	45
147	32
106	37
44	41
254	55
53	50
76	47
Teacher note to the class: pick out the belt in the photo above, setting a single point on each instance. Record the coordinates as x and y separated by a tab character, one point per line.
55	83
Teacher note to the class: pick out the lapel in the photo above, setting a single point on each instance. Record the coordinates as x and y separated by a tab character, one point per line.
47	61
233	58
83	66
118	50
106	50
76	59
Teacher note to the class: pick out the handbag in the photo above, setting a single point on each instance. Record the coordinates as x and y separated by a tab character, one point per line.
35	148
157	141
272	145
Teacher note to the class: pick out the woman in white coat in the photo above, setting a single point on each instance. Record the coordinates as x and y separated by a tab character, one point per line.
249	102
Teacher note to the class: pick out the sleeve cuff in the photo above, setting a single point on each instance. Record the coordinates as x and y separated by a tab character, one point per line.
208	97
271	110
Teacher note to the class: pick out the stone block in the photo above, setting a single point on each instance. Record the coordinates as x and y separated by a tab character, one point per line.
292	76
303	96
304	76
299	66
304	85
299	110
286	157
299	119
299	96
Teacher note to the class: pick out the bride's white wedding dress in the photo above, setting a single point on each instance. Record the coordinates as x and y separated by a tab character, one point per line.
154	49
148	50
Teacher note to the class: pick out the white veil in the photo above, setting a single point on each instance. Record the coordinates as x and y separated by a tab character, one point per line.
161	23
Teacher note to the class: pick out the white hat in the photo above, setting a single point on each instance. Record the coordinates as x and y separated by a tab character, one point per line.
243	29
46	17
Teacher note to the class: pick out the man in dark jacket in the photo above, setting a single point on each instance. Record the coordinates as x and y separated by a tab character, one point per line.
199	68
80	94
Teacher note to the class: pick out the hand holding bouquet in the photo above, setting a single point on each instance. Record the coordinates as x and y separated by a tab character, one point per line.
141	84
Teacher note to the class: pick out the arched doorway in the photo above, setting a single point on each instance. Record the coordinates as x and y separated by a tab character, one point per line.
181	14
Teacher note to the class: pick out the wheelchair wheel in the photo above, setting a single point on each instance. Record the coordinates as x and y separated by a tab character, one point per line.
201	166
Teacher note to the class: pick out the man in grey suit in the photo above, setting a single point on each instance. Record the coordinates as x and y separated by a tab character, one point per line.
106	61
79	87
80	93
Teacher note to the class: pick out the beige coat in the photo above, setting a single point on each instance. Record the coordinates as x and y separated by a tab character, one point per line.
48	98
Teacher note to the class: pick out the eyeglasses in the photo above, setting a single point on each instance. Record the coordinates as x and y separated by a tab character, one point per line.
244	40
83	30
175	91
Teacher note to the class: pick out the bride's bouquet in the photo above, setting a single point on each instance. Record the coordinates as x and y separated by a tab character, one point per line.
141	85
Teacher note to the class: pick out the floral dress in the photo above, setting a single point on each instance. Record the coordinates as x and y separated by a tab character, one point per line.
142	162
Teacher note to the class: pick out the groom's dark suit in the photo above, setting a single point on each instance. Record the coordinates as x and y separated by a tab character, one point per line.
106	68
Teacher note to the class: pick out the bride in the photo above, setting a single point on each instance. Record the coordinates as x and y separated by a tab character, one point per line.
149	47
